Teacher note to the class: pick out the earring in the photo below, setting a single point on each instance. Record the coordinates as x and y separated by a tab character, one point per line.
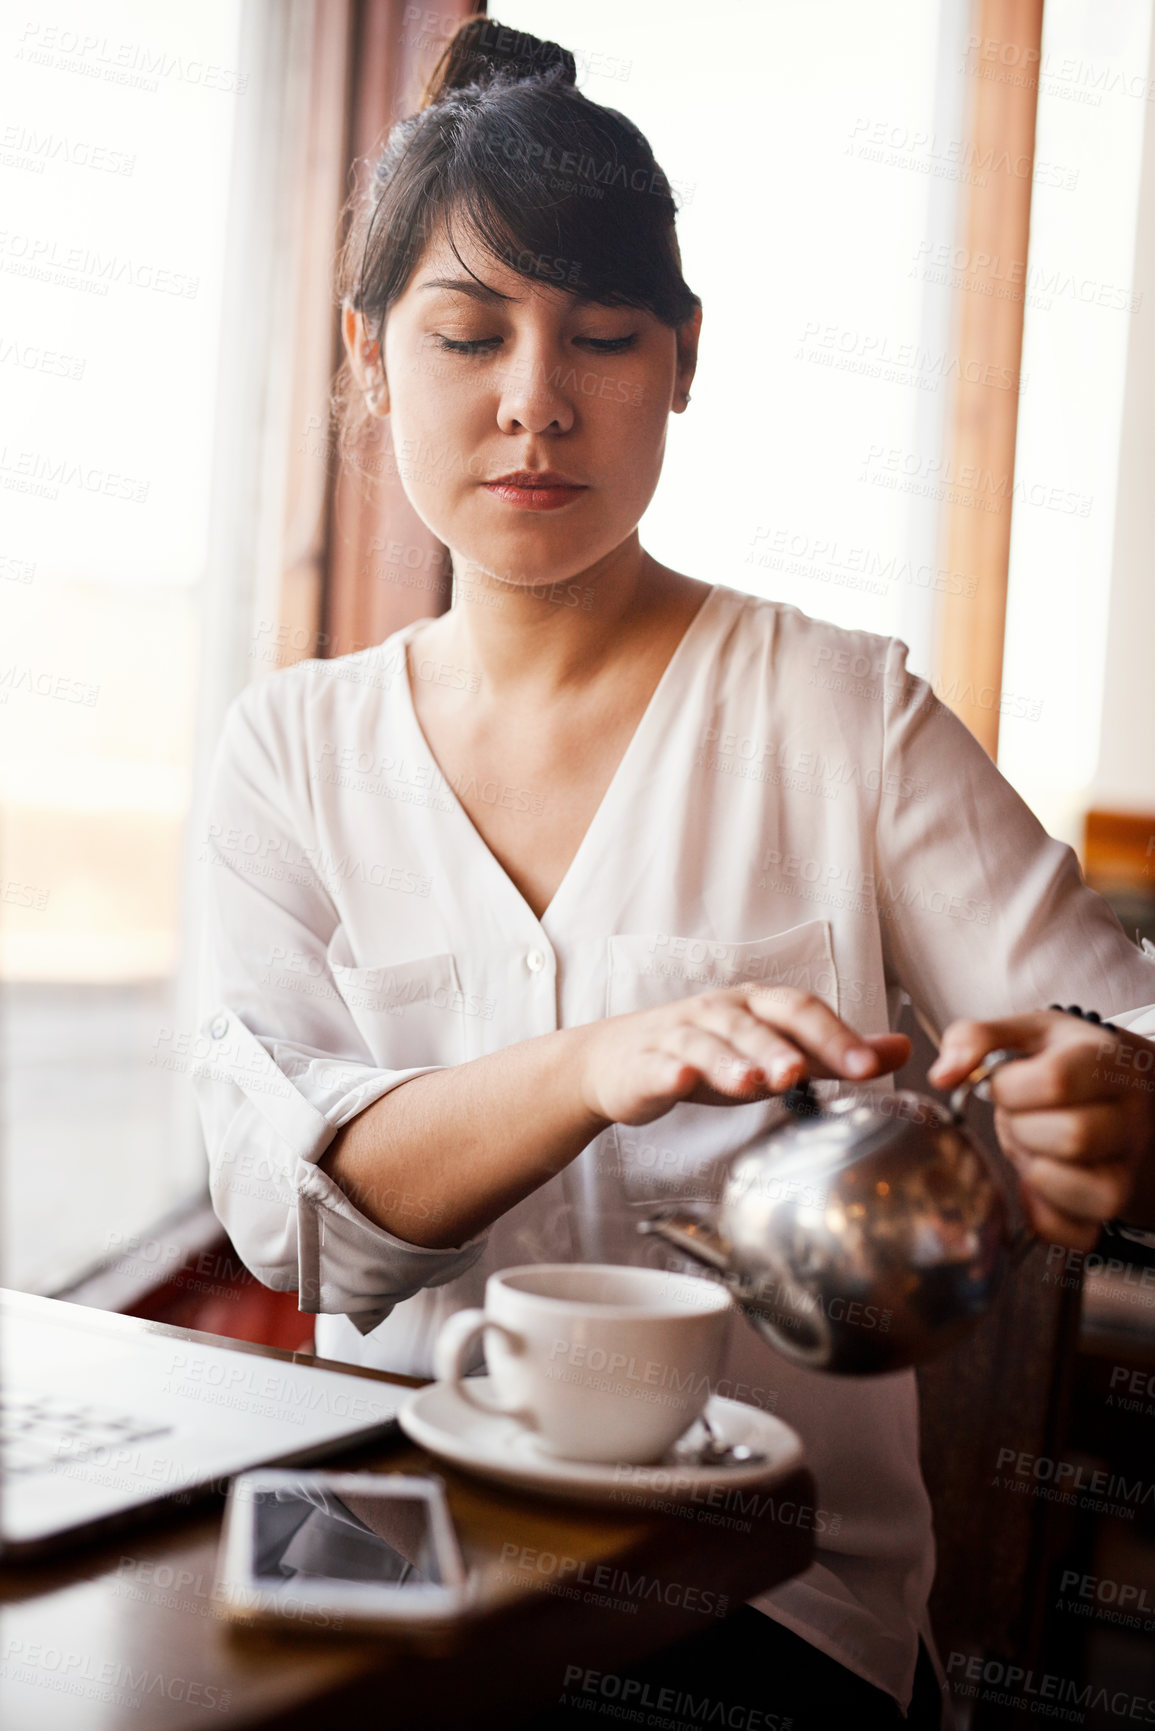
687	396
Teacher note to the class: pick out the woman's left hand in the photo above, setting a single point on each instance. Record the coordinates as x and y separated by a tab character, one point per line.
1076	1116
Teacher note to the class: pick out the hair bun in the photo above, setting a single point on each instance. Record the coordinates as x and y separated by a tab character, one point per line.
483	50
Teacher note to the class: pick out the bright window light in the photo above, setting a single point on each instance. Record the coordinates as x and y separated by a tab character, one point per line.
1080	307
809	151
117	139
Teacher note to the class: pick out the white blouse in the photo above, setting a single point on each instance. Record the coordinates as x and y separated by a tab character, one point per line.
795	806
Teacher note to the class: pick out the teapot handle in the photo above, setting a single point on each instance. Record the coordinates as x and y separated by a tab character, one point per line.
981	1073
1025	1237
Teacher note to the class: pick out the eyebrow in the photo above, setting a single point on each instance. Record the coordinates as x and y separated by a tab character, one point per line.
479	290
465	286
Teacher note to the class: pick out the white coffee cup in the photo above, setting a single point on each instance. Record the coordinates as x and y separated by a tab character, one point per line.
602	1363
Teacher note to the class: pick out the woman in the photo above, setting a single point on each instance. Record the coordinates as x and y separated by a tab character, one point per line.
509	906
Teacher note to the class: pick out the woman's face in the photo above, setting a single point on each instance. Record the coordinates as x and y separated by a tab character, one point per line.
480	388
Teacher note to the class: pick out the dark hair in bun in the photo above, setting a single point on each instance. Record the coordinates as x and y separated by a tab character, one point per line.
505	147
481	48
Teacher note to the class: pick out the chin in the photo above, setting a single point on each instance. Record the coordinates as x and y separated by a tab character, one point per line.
527	574
535	555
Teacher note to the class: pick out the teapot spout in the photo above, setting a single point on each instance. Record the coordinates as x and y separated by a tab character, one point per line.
694	1234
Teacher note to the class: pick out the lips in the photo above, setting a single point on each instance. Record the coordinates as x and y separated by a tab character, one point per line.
535	489
534	479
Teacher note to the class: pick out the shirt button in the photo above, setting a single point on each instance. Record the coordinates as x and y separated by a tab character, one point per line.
219	1027
535	961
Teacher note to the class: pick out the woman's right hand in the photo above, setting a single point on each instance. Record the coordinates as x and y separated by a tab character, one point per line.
724	1047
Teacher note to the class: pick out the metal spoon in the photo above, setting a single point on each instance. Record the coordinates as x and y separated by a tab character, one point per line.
712	1452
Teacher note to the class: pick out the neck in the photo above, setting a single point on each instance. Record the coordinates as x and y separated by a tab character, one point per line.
541	638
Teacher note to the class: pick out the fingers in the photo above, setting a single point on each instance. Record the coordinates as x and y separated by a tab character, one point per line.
1086	1194
1068	1075
1068	1062
1055	1227
828	1045
746	1043
965	1044
1067	1198
892	1051
718	1062
1090	1135
777	1060
657	1081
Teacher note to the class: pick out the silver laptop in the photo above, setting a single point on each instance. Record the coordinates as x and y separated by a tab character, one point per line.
99	1418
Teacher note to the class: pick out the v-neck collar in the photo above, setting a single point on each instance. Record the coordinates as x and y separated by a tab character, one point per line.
659	698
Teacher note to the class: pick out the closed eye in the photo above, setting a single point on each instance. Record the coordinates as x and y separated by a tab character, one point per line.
609	345
482	345
487	345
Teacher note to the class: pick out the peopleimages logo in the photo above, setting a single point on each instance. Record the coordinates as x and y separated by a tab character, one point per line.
1017	1686
1103	1591
1071	1482
572	1572
113	1681
649	1703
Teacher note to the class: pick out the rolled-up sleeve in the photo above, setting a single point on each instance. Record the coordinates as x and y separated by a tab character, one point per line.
277	1060
984	914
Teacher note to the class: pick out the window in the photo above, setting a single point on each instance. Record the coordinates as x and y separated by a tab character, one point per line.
1080	536
118	133
809	147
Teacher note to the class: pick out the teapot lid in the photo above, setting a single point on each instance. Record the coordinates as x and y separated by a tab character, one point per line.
829	1134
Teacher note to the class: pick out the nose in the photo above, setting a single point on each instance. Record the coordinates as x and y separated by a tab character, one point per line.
533	397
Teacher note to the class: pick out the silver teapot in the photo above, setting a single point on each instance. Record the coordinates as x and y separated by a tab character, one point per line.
862	1236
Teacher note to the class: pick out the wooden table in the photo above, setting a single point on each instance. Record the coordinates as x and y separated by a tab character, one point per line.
128	1633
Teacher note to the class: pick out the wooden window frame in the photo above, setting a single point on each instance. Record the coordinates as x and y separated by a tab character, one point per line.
981	436
384	567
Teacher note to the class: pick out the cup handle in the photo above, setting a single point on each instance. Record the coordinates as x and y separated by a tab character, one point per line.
453	1343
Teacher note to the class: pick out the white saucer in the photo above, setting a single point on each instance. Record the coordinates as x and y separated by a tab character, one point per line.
496	1446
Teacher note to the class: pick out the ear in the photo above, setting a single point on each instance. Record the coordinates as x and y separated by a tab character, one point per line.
687	363
365	359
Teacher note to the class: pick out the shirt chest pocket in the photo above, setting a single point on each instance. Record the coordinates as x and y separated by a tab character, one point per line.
646	969
407	1013
685	1153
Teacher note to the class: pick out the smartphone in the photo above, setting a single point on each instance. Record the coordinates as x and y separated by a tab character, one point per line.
334	1550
